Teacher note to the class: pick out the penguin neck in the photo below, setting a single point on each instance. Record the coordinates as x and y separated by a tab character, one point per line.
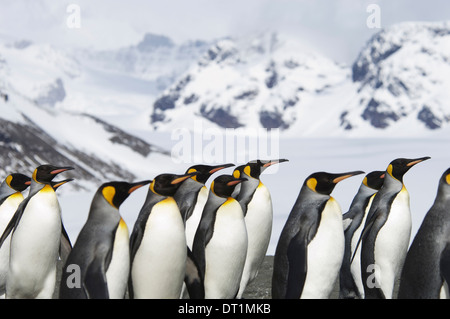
35	187
188	186
363	193
102	210
391	183
247	190
307	194
5	191
215	200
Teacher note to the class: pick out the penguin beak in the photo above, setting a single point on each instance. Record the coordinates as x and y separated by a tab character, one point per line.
220	167
28	183
55	185
182	178
343	176
272	162
236	181
413	162
138	185
58	170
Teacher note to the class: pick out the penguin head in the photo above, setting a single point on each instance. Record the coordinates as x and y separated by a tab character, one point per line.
398	167
168	184
223	185
18	182
256	167
44	174
324	183
57	184
374	179
205	171
115	193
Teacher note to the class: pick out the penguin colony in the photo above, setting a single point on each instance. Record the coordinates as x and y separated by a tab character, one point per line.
189	241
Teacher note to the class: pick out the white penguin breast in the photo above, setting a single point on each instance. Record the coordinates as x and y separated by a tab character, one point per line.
194	220
226	251
325	253
7	210
392	242
159	264
34	248
119	267
258	222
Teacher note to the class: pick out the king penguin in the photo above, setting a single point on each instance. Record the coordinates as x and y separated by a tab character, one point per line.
191	197
426	272
386	234
101	252
350	282
220	243
256	204
158	243
10	197
309	253
35	240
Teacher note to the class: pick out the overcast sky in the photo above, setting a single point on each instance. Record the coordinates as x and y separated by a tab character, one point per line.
337	28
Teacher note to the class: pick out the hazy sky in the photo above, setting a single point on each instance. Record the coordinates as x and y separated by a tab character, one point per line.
337	28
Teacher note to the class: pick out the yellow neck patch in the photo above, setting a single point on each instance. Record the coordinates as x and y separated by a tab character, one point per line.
236	174
247	170
312	183
47	188
365	181
8	180
212	187
193	170
34	176
447	179
108	193
389	170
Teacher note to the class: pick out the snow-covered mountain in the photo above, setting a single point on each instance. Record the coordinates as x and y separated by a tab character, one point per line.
260	81
34	129
397	86
402	76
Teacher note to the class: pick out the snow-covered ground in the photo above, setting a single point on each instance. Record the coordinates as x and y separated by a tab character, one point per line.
306	155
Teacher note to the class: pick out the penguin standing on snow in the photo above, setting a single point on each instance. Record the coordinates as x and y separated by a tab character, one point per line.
426	272
10	197
102	251
220	244
309	252
35	240
256	204
350	275
386	234
158	243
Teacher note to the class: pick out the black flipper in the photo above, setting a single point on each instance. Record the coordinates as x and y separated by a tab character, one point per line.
297	260
192	279
445	264
65	246
94	284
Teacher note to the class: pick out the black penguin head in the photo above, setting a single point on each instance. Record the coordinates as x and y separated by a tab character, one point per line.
398	167
57	184
205	171
374	179
256	167
44	174
324	183
168	184
18	182
223	185
115	193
